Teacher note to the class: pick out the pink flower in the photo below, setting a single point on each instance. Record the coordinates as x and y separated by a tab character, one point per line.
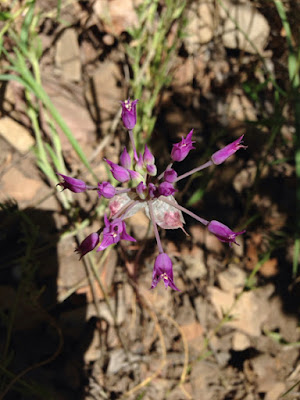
75	185
223	233
163	269
181	150
129	113
88	244
221	155
114	232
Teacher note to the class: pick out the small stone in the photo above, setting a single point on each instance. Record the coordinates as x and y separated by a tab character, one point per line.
232	280
16	135
17	186
253	24
240	342
194	261
275	393
67	55
105	92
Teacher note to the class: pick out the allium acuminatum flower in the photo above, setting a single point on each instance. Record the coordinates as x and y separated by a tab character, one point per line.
151	193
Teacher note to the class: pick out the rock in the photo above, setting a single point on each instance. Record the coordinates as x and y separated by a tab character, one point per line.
249	313
116	15
204	378
17	186
200	27
72	108
240	342
16	135
104	93
232	279
250	21
67	55
240	108
275	393
140	223
245	178
194	261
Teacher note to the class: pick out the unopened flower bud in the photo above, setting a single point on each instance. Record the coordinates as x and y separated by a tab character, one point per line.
148	157
106	190
170	175
121	174
88	244
166	189
151	169
142	190
125	159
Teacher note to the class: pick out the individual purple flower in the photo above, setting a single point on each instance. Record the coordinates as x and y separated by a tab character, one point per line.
223	233
73	184
129	113
125	159
170	175
163	269
181	150
88	244
166	189
121	174
221	155
106	190
114	232
148	157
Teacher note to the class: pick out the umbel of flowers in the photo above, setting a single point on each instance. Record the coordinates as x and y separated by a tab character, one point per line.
150	192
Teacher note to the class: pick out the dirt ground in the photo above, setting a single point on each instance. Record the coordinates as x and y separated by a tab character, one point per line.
223	336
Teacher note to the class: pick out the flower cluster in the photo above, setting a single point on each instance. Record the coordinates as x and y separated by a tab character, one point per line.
150	192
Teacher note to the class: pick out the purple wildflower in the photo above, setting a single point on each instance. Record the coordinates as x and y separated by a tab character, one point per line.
221	155
73	184
106	190
88	244
129	113
181	150
154	196
163	269
114	232
121	174
223	233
